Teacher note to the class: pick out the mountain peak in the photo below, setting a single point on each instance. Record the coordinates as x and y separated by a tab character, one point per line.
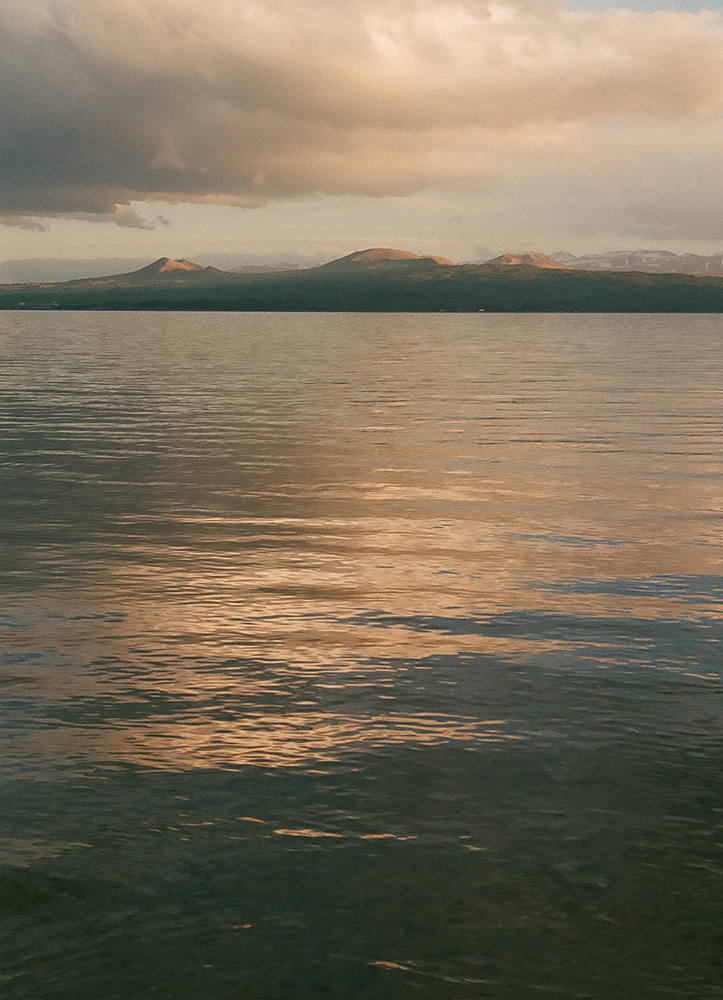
526	260
381	255
167	266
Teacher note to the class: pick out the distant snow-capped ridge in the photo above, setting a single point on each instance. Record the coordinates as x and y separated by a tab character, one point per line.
652	261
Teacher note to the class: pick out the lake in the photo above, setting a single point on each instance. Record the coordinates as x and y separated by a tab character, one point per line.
361	656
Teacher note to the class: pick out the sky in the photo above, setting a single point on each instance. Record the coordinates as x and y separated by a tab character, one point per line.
310	128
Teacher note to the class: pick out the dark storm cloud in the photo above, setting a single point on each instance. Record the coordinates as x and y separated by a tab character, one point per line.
105	102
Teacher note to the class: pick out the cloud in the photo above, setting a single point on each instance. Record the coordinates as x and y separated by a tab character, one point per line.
108	102
23	222
124	216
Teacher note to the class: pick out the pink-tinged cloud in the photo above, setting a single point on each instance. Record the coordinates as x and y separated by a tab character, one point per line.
110	101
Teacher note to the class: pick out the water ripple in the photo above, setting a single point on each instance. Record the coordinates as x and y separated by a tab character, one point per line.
360	656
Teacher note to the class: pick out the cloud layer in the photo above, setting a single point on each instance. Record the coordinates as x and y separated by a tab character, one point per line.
105	102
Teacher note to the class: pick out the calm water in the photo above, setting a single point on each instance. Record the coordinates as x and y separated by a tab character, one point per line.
361	657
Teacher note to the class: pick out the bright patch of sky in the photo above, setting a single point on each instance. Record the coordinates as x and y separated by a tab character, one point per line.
691	6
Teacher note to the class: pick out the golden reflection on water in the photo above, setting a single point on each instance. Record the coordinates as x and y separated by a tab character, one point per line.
294	739
247	593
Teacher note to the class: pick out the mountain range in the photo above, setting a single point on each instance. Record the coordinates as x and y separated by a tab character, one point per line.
57	269
42	269
382	279
648	261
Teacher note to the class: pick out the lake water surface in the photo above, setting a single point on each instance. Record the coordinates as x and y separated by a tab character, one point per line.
361	657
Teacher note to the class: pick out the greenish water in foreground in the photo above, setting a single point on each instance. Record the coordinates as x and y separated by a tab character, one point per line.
356	656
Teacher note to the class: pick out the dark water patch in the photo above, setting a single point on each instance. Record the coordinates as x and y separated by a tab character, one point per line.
697	589
22	889
628	641
576	540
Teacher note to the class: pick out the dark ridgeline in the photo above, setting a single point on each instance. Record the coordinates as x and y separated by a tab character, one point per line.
381	280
